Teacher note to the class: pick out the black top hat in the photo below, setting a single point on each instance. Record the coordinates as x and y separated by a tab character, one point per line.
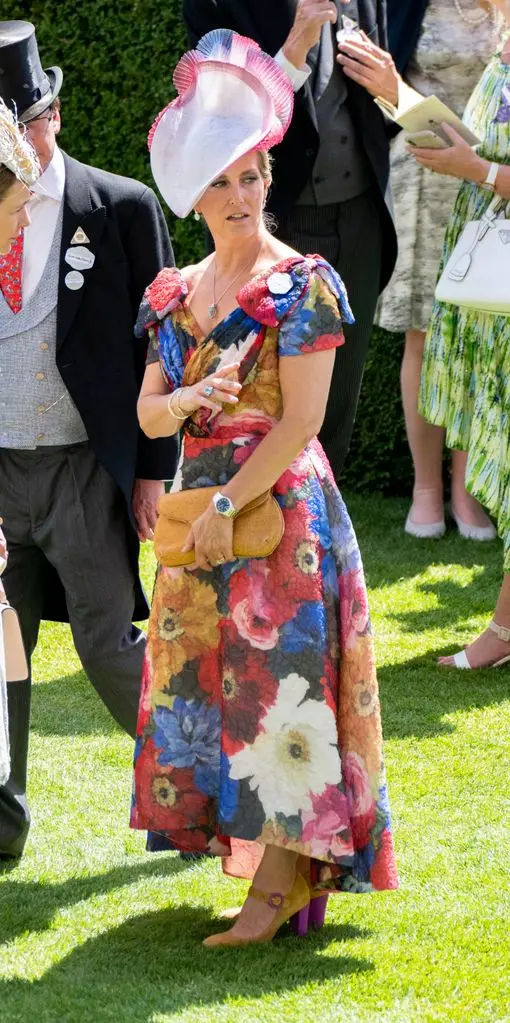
24	86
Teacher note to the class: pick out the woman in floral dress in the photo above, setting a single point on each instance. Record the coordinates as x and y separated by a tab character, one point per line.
259	734
466	372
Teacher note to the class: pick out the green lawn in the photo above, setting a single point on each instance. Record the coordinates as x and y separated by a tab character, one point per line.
92	929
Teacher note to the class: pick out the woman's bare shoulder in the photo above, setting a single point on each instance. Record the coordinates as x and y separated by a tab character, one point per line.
194	272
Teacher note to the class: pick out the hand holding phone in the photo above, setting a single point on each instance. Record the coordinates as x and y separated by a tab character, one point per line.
427	140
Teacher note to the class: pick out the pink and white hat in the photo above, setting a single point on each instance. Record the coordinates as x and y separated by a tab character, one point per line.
232	98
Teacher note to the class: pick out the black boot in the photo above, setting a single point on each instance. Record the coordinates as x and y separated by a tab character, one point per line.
14	812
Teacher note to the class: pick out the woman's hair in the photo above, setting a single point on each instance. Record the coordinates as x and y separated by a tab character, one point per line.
7	179
265	164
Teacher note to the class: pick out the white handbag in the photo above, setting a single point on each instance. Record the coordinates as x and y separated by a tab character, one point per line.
477	274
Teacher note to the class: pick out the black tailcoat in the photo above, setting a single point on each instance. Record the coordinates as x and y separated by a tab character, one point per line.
269	23
98	356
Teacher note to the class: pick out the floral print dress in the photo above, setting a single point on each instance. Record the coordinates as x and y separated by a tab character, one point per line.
259	714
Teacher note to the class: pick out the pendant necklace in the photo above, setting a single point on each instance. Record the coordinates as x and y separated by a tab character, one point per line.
212	310
473	19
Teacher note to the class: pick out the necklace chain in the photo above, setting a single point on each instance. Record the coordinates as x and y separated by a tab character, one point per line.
476	19
213	308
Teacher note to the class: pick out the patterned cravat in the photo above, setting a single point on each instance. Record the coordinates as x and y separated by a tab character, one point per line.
10	274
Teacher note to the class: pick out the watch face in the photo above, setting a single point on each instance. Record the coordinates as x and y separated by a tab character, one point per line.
223	505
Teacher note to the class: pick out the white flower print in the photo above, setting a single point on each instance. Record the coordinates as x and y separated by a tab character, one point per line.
294	755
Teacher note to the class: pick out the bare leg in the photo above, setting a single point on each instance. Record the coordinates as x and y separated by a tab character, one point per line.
466	507
489	648
276	873
425	441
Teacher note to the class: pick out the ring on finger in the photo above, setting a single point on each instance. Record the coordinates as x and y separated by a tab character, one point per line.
208	390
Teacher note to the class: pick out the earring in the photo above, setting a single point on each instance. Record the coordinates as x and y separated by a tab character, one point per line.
196	215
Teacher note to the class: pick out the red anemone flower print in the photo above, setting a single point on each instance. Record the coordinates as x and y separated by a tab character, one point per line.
354	607
247	692
326	827
255	609
167	799
362	807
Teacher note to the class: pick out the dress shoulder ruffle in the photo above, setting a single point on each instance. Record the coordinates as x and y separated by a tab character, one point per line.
167	291
271	295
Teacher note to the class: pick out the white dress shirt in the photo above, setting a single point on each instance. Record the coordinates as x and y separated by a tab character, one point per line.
298	76
43	208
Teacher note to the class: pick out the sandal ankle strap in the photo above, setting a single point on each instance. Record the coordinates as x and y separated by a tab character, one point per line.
501	631
275	900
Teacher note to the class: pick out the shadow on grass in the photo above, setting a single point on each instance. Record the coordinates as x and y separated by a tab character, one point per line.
416	696
31	905
156	963
390	554
70	706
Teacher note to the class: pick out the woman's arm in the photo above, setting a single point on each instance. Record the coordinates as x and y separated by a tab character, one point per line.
305	382
461	161
155	403
3	559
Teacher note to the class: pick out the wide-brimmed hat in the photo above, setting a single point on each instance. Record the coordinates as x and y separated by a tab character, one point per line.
232	98
24	86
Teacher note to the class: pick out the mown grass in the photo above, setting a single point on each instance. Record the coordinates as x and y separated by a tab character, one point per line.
92	929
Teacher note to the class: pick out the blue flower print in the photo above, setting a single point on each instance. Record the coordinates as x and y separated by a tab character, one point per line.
229	790
188	735
306	629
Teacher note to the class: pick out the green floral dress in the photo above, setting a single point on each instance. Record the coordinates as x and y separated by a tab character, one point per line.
465	384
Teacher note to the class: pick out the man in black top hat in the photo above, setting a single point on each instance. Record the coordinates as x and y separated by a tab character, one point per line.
78	480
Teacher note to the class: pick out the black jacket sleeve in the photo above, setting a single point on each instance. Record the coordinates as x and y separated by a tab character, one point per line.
148	249
200	17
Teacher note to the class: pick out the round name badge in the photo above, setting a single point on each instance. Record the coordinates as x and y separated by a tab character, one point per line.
80	258
279	284
74	280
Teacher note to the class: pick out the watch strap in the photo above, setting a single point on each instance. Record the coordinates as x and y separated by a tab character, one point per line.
490	180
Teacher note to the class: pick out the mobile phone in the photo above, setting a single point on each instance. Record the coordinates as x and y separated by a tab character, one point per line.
427	140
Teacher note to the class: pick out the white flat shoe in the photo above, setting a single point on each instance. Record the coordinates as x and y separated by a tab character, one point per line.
460	659
480	533
425	530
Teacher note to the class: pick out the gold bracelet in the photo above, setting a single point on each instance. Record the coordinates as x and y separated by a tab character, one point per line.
176	414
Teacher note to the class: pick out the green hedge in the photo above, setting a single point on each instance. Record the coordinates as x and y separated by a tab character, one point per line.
118	57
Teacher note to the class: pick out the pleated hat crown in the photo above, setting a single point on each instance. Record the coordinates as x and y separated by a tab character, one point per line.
232	98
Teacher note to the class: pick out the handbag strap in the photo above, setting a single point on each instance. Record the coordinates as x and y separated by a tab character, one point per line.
496	205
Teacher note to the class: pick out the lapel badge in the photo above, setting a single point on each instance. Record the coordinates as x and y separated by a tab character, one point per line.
79	237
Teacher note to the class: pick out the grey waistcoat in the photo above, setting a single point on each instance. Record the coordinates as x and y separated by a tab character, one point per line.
341	169
35	407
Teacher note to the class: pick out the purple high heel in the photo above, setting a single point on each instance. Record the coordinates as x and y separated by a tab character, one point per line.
317	912
299	922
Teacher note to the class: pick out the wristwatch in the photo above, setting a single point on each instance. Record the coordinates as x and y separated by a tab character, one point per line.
223	505
490	181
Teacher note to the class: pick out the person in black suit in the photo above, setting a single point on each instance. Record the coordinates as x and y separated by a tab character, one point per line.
330	190
78	479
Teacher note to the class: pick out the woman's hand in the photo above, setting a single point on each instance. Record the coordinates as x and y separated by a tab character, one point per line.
221	387
370	66
3	560
212	536
458	160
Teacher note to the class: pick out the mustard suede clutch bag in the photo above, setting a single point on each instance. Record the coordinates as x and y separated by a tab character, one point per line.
258	527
